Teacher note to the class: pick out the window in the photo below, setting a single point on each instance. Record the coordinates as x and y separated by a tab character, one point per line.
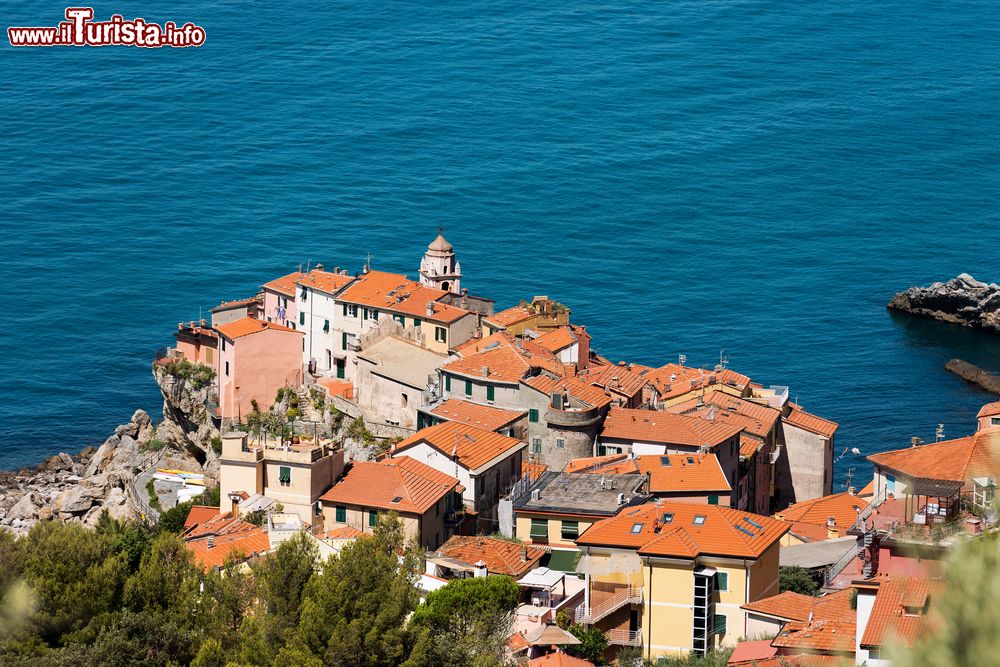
416	322
720	624
375	315
372	518
343	340
329	360
304	294
699	520
223	344
722	581
490	392
570	530
994	421
364	314
341	514
536	445
441	334
447	383
302	319
284	475
352	310
227	369
326	326
667	517
345	310
713	499
318	508
403	400
539	529
283	301
400	319
468	387
533	416
560	443
636	528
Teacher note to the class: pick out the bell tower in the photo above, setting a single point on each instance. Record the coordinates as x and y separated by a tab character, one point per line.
439	268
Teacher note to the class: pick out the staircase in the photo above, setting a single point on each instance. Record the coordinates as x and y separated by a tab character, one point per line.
618	637
626	596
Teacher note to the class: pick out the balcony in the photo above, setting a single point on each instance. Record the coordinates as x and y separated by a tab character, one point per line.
626	596
618	637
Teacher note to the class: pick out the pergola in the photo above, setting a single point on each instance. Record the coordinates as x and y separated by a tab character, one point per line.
932	500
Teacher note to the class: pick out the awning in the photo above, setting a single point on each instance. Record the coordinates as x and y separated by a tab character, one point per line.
605	565
564	560
452	563
541	577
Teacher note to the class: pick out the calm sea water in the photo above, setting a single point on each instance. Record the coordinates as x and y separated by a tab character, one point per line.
687	176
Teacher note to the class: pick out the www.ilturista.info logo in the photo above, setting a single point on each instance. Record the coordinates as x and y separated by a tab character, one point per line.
79	29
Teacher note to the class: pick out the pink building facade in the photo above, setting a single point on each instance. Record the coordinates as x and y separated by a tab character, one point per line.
279	300
256	358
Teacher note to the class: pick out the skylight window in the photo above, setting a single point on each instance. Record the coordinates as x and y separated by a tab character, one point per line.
664	460
636	528
699	520
744	530
753	523
397	499
691	459
668	517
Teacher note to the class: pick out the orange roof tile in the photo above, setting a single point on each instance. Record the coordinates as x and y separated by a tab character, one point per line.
954	460
791	606
665	427
720	531
557	339
505	359
285	284
842	507
868	490
674	473
822	636
900	610
235	303
244	544
532	470
402	484
473	414
395	293
581	391
559	659
750	652
200	514
473	447
754	418
805	660
219	524
248	325
325	281
810	422
501	556
618	379
342	533
609	463
513	315
989	410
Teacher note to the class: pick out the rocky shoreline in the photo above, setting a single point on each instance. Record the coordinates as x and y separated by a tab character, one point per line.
977	376
962	300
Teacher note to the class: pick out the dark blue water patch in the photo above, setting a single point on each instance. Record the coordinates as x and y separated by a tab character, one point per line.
688	177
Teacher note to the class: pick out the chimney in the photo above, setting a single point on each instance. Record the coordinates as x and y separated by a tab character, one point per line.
235	499
621	364
485	371
480	570
430	309
915	441
524	554
202	324
319	267
210	542
191	324
180	326
336	269
851	490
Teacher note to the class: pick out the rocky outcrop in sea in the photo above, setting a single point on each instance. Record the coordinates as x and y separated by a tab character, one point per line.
962	300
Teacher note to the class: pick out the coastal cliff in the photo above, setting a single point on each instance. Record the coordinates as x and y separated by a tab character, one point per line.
962	300
188	402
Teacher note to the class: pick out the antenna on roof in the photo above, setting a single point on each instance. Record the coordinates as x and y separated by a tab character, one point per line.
850	477
723	359
939	433
682	359
308	264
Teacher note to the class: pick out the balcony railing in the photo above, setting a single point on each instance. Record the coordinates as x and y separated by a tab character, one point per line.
626	596
618	637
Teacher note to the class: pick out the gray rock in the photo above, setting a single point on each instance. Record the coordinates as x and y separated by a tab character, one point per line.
78	499
24	508
962	300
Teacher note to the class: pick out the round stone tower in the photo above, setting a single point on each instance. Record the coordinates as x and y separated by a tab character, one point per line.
439	268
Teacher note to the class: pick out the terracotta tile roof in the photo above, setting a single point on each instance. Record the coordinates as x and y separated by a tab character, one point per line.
868	490
506	359
517	643
325	281
721	531
414	486
666	428
396	293
513	315
557	339
843	507
810	422
822	636
791	606
749	652
989	410
559	659
749	445
236	303
958	460
342	533
473	447
200	514
674	473
672	380
500	556
230	547
285	284
248	325
219	524
532	470
618	379
754	418
473	414
803	659
581	391
900	610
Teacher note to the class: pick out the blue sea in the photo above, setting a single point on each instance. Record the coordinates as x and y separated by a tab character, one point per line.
756	178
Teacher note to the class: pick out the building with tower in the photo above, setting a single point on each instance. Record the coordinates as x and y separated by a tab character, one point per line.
439	268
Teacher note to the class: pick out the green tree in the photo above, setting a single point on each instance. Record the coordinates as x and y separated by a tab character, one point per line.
167	580
210	654
281	579
796	579
138	639
592	643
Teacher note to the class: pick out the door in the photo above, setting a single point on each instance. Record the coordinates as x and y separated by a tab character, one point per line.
341	368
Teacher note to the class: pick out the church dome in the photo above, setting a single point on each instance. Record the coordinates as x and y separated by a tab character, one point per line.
440	244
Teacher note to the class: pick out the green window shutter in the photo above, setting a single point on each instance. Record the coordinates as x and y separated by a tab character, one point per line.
364	313
447	383
720	624
341	514
326	326
343	340
468	387
722	581
570	530
284	475
539	529
713	499
345	310
490	392
533	415
372	518
416	322
302	319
